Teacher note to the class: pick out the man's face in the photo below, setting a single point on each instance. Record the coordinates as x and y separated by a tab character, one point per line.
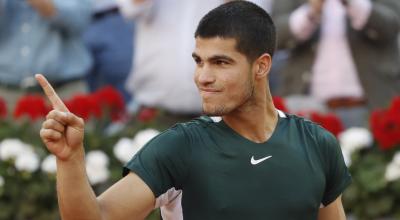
223	75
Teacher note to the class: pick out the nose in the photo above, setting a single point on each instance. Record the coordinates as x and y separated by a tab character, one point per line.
204	75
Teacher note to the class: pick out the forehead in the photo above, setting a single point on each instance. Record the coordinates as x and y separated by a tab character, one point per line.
206	47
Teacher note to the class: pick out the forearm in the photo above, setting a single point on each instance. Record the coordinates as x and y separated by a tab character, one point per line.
71	16
75	196
44	7
293	25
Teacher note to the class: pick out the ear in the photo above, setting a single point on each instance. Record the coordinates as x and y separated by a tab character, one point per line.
262	65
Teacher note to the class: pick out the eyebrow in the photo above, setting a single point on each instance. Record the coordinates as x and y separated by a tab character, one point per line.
215	57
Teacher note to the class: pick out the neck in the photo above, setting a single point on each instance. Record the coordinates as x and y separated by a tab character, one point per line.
255	120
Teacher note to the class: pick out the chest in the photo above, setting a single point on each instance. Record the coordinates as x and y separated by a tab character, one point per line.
283	181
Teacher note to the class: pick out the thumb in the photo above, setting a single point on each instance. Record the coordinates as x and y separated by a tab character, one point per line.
74	121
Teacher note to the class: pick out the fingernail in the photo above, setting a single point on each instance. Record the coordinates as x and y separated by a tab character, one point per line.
65	114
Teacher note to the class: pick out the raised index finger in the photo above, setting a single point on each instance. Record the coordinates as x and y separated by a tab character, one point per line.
55	100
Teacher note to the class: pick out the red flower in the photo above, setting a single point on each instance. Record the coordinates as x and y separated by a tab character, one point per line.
33	106
84	106
385	126
395	105
112	101
3	108
279	103
329	121
147	114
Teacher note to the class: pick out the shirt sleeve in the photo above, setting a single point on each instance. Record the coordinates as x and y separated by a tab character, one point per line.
162	162
382	24
359	12
72	15
336	173
138	11
301	25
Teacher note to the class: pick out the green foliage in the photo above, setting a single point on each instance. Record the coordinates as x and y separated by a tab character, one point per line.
371	196
33	196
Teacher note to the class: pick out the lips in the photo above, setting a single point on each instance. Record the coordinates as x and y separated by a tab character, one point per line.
209	90
208	93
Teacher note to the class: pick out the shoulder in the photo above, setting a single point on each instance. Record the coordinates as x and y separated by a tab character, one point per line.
306	125
196	127
311	131
181	134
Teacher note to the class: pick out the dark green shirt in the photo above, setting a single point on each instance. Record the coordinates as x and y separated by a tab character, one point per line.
225	176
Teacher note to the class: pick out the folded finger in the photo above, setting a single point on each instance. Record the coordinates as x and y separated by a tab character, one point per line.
54	124
50	134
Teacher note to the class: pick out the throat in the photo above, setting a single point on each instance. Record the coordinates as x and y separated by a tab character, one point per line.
254	129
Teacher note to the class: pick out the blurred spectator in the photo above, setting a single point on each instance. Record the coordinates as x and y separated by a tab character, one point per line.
163	66
343	53
42	36
109	39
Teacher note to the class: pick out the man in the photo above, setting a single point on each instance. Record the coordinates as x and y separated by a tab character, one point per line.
42	36
109	40
343	53
253	164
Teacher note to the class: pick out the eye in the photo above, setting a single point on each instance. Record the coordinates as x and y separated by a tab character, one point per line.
197	60
221	62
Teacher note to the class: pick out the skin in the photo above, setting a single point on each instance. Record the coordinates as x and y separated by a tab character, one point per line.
316	6
235	89
230	86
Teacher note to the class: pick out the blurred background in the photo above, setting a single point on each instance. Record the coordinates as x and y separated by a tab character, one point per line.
125	66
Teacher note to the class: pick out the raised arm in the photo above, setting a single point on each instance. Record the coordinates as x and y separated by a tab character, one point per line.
71	16
62	133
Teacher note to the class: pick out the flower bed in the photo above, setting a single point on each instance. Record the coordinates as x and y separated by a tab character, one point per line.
27	171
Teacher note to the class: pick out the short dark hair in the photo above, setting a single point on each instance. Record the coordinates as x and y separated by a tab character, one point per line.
250	25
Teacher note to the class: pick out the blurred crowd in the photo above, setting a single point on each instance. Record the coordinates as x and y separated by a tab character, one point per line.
339	56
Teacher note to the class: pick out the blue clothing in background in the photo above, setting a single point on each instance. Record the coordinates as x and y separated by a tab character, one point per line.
30	43
110	40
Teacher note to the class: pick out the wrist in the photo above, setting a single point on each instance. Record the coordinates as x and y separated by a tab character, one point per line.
72	155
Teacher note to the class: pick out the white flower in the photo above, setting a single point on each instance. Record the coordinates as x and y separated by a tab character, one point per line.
96	167
97	158
97	175
392	172
354	139
49	164
396	159
125	149
27	161
144	136
11	149
1	181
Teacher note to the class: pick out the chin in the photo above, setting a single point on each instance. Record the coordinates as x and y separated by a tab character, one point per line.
214	110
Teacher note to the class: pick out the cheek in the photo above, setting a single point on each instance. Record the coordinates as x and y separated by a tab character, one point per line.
196	77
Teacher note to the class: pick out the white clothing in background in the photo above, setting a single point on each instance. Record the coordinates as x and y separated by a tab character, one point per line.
162	74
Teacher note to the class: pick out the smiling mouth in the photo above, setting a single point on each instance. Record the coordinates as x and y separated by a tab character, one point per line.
209	90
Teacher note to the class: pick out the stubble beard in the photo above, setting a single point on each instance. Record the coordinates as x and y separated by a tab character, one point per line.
221	109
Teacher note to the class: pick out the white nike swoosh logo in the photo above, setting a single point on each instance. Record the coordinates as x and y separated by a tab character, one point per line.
255	162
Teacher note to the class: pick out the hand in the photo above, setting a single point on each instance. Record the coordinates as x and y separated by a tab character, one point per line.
44	7
62	132
316	6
